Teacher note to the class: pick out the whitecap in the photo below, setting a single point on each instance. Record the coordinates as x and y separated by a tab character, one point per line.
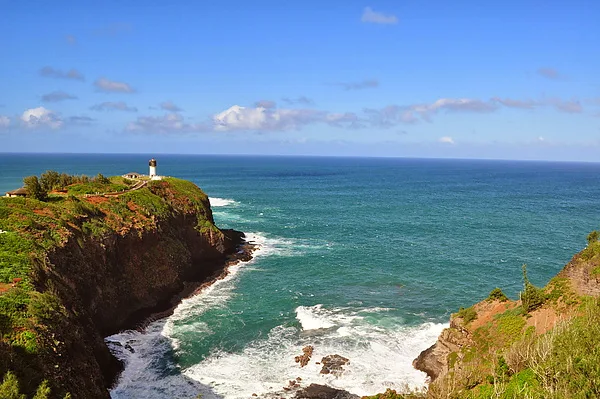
216	202
379	358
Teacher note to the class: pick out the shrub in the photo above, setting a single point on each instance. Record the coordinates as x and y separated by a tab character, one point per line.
497	295
467	314
43	391
593	237
531	296
9	389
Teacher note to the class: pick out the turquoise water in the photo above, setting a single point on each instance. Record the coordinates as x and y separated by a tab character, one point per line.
361	257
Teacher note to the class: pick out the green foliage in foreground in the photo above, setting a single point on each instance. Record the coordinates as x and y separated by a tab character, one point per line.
9	389
563	363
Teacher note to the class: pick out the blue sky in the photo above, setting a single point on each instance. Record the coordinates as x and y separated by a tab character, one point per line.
466	79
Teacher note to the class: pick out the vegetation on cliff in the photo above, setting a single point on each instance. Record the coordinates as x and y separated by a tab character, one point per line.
544	345
64	259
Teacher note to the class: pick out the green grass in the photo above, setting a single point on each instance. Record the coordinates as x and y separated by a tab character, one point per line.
31	228
95	188
509	326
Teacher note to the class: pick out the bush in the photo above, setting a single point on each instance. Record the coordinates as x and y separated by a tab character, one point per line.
497	295
468	315
593	237
9	389
531	296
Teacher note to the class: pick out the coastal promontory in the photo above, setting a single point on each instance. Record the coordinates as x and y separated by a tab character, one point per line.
88	260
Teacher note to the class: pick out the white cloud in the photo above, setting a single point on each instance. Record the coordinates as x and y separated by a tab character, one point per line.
168	123
511	103
549	73
265	104
395	114
374	17
113	106
446	139
571	106
365	84
300	100
56	96
4	122
112	86
50	72
540	138
169	106
239	118
41	117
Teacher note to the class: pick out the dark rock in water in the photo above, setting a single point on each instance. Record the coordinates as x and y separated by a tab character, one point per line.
316	391
332	364
129	348
305	358
429	362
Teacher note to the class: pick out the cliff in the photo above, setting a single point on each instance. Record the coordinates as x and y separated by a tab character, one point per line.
77	268
543	345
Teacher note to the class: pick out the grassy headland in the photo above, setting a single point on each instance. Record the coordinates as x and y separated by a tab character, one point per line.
96	213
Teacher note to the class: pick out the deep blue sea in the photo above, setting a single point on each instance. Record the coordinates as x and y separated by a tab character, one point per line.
361	257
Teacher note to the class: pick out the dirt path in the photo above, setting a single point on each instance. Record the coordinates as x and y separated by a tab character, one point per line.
137	186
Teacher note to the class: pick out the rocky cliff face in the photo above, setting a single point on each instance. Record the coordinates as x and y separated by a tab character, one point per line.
98	284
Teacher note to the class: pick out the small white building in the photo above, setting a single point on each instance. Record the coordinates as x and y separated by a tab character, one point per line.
19	192
132	175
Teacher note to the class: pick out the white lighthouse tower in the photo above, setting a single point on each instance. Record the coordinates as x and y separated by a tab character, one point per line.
152	164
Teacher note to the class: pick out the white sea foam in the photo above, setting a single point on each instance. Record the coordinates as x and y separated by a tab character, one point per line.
149	370
215	202
380	358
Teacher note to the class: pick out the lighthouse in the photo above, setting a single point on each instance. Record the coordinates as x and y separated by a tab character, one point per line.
152	164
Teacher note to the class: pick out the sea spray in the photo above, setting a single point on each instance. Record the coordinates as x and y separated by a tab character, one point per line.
380	358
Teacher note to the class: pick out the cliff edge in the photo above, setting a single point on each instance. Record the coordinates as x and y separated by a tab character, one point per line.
77	268
543	345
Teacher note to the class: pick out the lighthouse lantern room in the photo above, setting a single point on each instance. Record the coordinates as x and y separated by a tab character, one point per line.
152	164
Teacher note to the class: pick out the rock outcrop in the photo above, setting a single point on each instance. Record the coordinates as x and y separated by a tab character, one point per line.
332	364
303	359
316	391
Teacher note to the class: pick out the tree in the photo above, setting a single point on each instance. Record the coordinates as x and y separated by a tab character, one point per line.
50	180
34	188
65	180
101	179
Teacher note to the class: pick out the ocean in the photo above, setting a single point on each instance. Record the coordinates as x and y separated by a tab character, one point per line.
361	257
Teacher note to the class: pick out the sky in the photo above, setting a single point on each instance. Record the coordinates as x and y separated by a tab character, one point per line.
461	79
